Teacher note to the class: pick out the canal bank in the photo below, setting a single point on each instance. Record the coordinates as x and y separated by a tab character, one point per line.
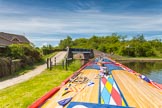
133	59
139	60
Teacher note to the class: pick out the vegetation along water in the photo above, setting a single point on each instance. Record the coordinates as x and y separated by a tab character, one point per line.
116	44
138	46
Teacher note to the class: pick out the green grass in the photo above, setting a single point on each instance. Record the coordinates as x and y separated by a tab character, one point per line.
24	94
28	68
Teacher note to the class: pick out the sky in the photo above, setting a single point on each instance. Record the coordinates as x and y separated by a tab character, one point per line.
47	21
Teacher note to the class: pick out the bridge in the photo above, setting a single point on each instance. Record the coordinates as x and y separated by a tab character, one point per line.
87	53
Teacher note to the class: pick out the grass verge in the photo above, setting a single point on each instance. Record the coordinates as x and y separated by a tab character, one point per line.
24	94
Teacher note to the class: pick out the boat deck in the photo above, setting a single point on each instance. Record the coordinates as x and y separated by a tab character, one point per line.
138	93
80	93
135	91
122	89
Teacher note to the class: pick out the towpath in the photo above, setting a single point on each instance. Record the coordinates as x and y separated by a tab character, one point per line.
60	56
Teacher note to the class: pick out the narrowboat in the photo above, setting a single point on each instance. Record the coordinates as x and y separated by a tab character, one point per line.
103	83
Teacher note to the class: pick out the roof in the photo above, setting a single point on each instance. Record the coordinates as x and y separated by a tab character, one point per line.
10	37
4	42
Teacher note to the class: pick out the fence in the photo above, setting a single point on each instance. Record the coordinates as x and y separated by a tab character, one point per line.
53	62
9	66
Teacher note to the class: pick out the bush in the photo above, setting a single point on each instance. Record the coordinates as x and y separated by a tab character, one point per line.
15	51
20	51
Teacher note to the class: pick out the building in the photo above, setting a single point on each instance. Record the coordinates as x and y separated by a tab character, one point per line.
8	39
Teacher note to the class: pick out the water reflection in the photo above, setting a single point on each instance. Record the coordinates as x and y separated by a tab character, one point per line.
152	70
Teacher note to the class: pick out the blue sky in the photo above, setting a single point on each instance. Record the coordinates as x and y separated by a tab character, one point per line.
48	21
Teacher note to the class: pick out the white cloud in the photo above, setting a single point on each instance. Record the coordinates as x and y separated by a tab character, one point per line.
154	37
81	21
45	39
45	44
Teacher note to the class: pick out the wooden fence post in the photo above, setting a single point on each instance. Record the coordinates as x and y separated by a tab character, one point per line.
10	65
66	64
50	64
47	63
55	61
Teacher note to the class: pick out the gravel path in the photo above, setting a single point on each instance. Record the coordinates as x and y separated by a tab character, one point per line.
60	56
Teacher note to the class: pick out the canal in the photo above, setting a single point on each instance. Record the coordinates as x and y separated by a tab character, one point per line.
153	70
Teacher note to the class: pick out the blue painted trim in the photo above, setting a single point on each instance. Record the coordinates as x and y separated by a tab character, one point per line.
93	105
99	96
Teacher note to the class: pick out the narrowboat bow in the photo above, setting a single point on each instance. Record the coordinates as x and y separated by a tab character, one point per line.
103	83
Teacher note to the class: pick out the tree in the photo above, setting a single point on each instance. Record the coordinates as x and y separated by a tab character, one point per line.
102	48
138	45
66	42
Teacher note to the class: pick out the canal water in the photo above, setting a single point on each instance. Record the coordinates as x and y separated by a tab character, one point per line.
153	70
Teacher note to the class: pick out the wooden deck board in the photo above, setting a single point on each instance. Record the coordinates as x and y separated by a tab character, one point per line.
88	94
137	92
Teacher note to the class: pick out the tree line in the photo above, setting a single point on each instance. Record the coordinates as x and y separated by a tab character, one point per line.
138	46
